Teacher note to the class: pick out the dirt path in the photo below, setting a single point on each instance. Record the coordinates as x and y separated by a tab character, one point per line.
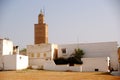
52	75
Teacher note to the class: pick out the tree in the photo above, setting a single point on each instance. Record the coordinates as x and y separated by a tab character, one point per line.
23	51
76	57
78	53
61	61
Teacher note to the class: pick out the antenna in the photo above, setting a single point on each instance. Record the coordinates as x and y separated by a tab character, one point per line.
44	11
77	41
40	10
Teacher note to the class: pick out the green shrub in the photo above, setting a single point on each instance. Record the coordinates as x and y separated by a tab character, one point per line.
74	58
61	61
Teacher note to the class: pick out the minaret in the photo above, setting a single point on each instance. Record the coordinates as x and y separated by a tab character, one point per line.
41	17
40	30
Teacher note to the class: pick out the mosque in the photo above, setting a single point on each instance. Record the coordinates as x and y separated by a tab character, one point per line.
101	56
98	56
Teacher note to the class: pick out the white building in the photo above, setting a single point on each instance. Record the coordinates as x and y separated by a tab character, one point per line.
96	64
89	64
14	62
40	53
98	56
8	60
93	50
6	47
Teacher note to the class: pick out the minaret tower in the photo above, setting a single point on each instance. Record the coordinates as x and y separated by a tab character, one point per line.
40	30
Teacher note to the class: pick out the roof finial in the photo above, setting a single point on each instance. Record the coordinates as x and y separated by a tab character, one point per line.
41	12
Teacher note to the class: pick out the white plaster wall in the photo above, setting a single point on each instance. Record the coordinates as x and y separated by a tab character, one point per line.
50	65
54	46
13	62
1	63
21	62
36	62
93	50
40	48
1	47
9	62
75	68
89	64
48	49
7	47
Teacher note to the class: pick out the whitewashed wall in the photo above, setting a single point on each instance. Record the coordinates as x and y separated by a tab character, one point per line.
21	62
15	62
93	50
41	49
9	62
1	63
50	65
89	64
38	63
53	47
1	47
6	47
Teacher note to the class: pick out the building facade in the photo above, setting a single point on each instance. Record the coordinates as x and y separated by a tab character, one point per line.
14	62
40	30
98	56
40	53
6	47
93	50
10	58
89	65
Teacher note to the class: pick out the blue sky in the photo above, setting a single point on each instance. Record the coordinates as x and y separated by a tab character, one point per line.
69	21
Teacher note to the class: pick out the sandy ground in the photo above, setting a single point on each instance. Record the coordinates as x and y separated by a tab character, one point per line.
54	75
